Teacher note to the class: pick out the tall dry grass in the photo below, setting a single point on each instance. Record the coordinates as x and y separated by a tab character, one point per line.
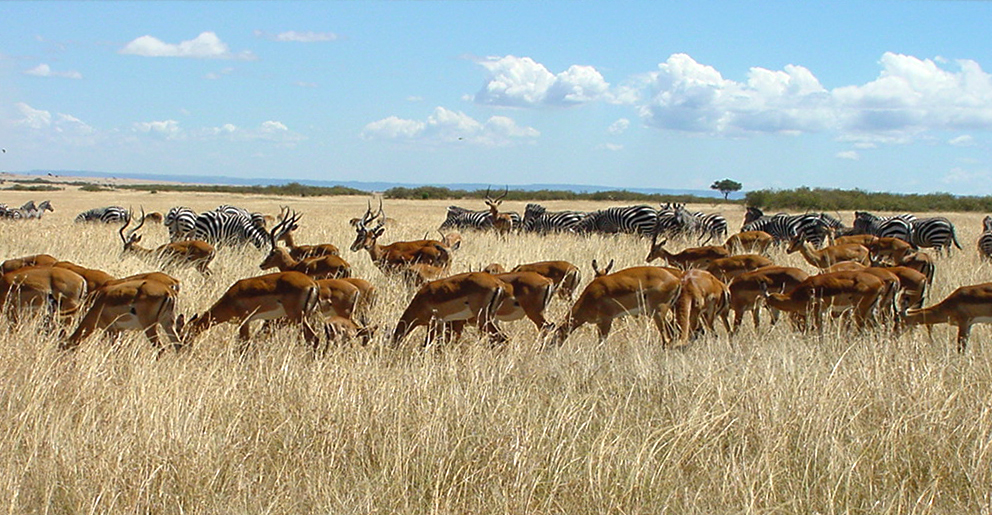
771	422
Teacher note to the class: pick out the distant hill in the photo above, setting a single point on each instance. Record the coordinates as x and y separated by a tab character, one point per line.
370	186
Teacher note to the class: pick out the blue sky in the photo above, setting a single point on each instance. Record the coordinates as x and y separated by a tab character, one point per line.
878	95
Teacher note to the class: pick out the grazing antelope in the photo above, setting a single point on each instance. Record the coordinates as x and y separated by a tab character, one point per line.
301	252
366	299
824	258
836	291
964	307
747	288
33	260
321	267
282	295
502	222
95	278
417	274
472	295
389	257
565	275
893	249
30	288
749	242
694	257
922	263
142	305
645	290
725	269
531	294
195	253
451	239
860	239
340	329
703	298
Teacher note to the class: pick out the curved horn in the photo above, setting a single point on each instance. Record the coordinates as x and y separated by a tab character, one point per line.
505	193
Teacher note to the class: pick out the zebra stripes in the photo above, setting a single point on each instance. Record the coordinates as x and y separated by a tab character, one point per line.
985	239
180	221
936	232
221	228
899	226
630	219
27	211
538	219
810	227
107	215
461	218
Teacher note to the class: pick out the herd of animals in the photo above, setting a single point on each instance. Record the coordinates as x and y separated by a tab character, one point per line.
874	273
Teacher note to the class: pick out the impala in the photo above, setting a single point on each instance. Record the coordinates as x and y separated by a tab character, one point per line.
964	307
34	287
565	275
922	263
472	295
142	305
703	298
836	290
645	290
95	278
502	222
695	257
399	253
752	242
282	295
321	267
747	288
823	258
892	248
300	252
725	269
531	294
366	299
34	260
860	239
418	274
195	253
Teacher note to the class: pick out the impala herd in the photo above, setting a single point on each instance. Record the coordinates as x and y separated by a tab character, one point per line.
872	281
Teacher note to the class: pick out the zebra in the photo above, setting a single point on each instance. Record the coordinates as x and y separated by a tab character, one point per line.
461	218
629	219
107	215
985	240
181	221
899	226
29	210
784	227
538	219
672	220
711	225
220	228
255	217
937	232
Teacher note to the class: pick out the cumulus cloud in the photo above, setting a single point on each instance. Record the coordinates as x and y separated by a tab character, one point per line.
44	70
205	46
167	129
962	141
59	123
619	127
522	82
851	155
299	37
446	126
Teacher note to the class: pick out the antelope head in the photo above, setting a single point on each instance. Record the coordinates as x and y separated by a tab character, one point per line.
131	239
494	203
601	272
365	237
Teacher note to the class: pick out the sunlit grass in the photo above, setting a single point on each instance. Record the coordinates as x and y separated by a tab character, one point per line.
772	421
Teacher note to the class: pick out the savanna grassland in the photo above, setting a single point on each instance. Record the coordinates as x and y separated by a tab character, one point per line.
770	422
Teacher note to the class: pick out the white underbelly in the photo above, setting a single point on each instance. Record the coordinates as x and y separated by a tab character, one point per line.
278	312
462	314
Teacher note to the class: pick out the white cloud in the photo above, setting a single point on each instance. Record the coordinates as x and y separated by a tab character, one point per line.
43	70
961	176
523	82
205	46
446	126
619	127
299	37
962	141
167	129
851	155
613	147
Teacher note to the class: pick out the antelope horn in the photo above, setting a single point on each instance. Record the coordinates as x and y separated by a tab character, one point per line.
505	193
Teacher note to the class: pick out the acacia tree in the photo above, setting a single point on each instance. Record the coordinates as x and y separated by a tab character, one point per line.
726	186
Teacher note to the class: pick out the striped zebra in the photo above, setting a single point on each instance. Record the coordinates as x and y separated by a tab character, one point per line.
538	219
629	219
28	210
899	226
985	240
810	227
219	228
180	221
673	221
107	215
461	218
255	217
937	232
710	225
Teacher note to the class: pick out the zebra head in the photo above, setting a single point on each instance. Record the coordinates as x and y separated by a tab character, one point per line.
752	214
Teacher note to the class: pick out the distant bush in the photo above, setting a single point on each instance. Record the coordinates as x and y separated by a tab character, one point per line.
819	199
21	187
293	189
441	193
94	187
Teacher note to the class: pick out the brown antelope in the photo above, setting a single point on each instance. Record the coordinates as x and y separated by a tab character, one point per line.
400	253
321	267
34	287
195	253
161	277
694	257
835	291
95	278
292	296
645	290
472	295
417	274
747	288
502	222
366	299
565	275
912	286
531	294
824	258
860	239
300	252
340	329
749	242
142	305
703	298
964	307
922	263
725	269
452	240
34	260
893	249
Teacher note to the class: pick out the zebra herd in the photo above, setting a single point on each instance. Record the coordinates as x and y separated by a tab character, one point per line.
671	219
26	212
225	225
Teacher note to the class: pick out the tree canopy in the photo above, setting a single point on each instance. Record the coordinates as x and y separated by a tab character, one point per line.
726	186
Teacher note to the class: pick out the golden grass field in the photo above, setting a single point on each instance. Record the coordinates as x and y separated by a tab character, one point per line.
771	422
